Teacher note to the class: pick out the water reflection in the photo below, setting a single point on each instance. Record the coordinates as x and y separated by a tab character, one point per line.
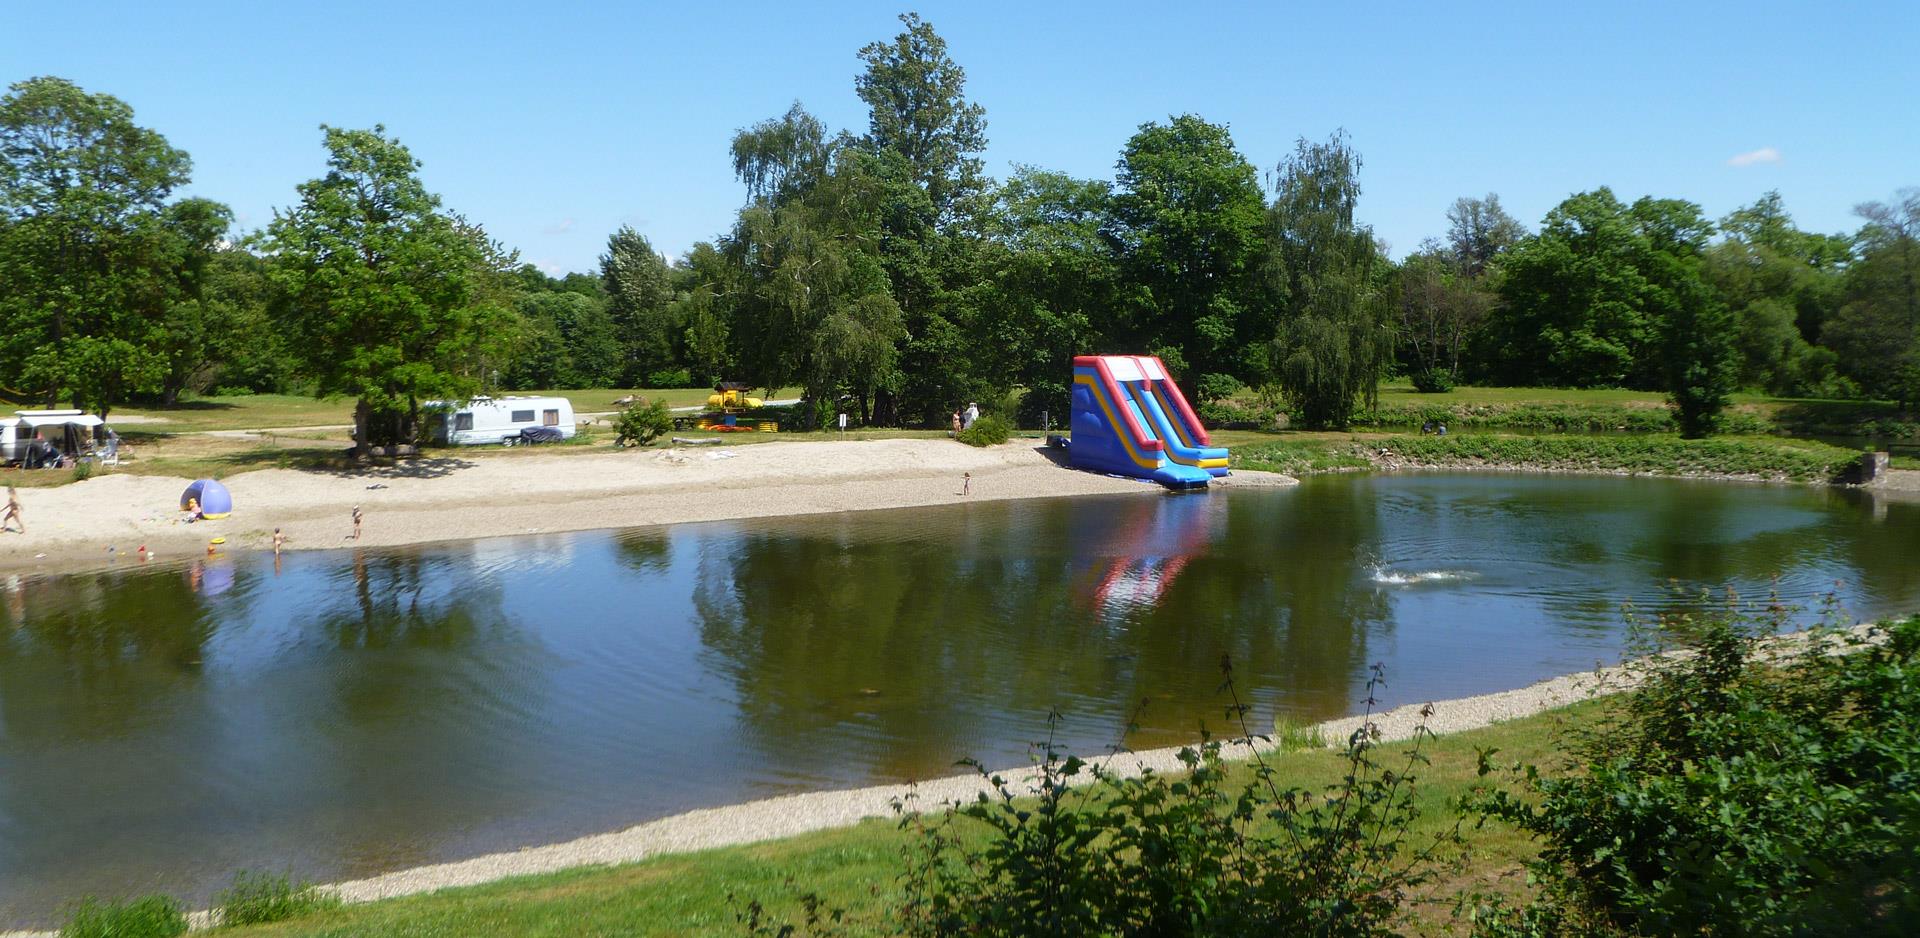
346	712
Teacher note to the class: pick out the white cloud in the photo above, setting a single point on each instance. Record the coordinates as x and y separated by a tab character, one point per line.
562	227
1762	155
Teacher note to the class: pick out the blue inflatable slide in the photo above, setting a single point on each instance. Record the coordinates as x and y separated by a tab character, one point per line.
1130	419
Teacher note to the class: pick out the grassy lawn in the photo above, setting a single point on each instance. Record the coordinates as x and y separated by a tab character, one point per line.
856	868
256	411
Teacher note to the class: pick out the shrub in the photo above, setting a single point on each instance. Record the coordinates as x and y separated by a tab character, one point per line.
259	898
642	423
83	470
145	917
1741	791
988	430
1079	850
1432	380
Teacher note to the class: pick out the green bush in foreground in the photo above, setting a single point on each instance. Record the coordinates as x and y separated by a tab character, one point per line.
988	430
145	917
259	898
1741	793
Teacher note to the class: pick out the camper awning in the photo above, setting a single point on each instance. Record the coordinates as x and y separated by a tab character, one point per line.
57	420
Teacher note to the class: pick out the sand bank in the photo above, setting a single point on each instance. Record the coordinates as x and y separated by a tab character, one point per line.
457	496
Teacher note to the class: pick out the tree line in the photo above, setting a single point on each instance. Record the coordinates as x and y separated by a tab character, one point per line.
889	276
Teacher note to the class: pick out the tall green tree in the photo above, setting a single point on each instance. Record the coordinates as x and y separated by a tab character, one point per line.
85	250
639	293
1187	215
814	306
1052	279
1335	340
386	297
1698	358
1572	311
704	305
922	146
1877	330
1781	285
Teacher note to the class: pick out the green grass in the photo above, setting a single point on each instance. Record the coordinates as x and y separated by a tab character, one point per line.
856	868
261	898
145	917
1652	454
256	411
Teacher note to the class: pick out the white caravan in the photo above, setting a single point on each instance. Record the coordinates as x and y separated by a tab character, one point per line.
486	420
69	431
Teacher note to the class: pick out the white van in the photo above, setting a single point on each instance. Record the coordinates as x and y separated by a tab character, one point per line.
486	420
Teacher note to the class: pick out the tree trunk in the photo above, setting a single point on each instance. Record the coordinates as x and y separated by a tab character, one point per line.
362	443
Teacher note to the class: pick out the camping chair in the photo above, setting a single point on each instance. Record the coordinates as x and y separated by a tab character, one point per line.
108	454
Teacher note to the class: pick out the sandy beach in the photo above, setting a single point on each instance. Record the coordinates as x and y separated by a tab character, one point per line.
108	518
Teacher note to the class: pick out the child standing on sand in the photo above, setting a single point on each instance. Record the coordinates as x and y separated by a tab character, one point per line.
278	539
13	511
356	522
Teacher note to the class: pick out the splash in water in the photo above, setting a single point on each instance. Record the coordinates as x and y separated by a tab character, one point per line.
1386	577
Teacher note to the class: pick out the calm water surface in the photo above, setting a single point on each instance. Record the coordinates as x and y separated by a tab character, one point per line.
347	712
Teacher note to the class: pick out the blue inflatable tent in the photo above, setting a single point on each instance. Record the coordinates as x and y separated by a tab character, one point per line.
215	501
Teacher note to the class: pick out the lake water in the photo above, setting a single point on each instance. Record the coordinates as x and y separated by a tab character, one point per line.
342	713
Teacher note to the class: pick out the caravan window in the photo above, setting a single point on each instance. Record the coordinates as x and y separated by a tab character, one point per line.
523	416
549	418
463	421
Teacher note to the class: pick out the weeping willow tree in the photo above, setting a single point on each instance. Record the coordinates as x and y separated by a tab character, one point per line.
1334	339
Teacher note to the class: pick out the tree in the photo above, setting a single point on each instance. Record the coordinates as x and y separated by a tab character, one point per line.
84	248
1877	331
1053	278
1572	312
383	294
1187	215
921	147
1698	359
704	304
1781	285
1439	308
1479	230
917	109
1334	343
814	307
198	325
638	291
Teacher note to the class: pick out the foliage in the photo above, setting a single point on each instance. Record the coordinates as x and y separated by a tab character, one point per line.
1742	791
1186	215
1650	455
642	422
1440	308
385	297
1479	231
146	917
988	430
636	281
1877	331
1077	849
1300	457
1334	342
259	898
1558	418
91	254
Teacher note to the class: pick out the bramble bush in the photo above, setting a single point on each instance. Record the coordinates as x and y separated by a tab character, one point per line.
1740	791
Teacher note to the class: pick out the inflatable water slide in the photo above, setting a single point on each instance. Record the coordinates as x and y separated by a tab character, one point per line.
1130	419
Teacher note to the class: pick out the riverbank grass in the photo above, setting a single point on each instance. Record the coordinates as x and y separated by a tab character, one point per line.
1654	454
857	869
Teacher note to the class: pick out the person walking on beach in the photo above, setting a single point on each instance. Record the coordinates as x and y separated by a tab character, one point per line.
356	522
956	425
972	414
13	511
278	540
966	483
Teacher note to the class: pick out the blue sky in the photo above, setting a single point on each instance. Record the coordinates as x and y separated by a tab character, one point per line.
552	124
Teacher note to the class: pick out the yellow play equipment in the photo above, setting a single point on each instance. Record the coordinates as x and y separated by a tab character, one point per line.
728	408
